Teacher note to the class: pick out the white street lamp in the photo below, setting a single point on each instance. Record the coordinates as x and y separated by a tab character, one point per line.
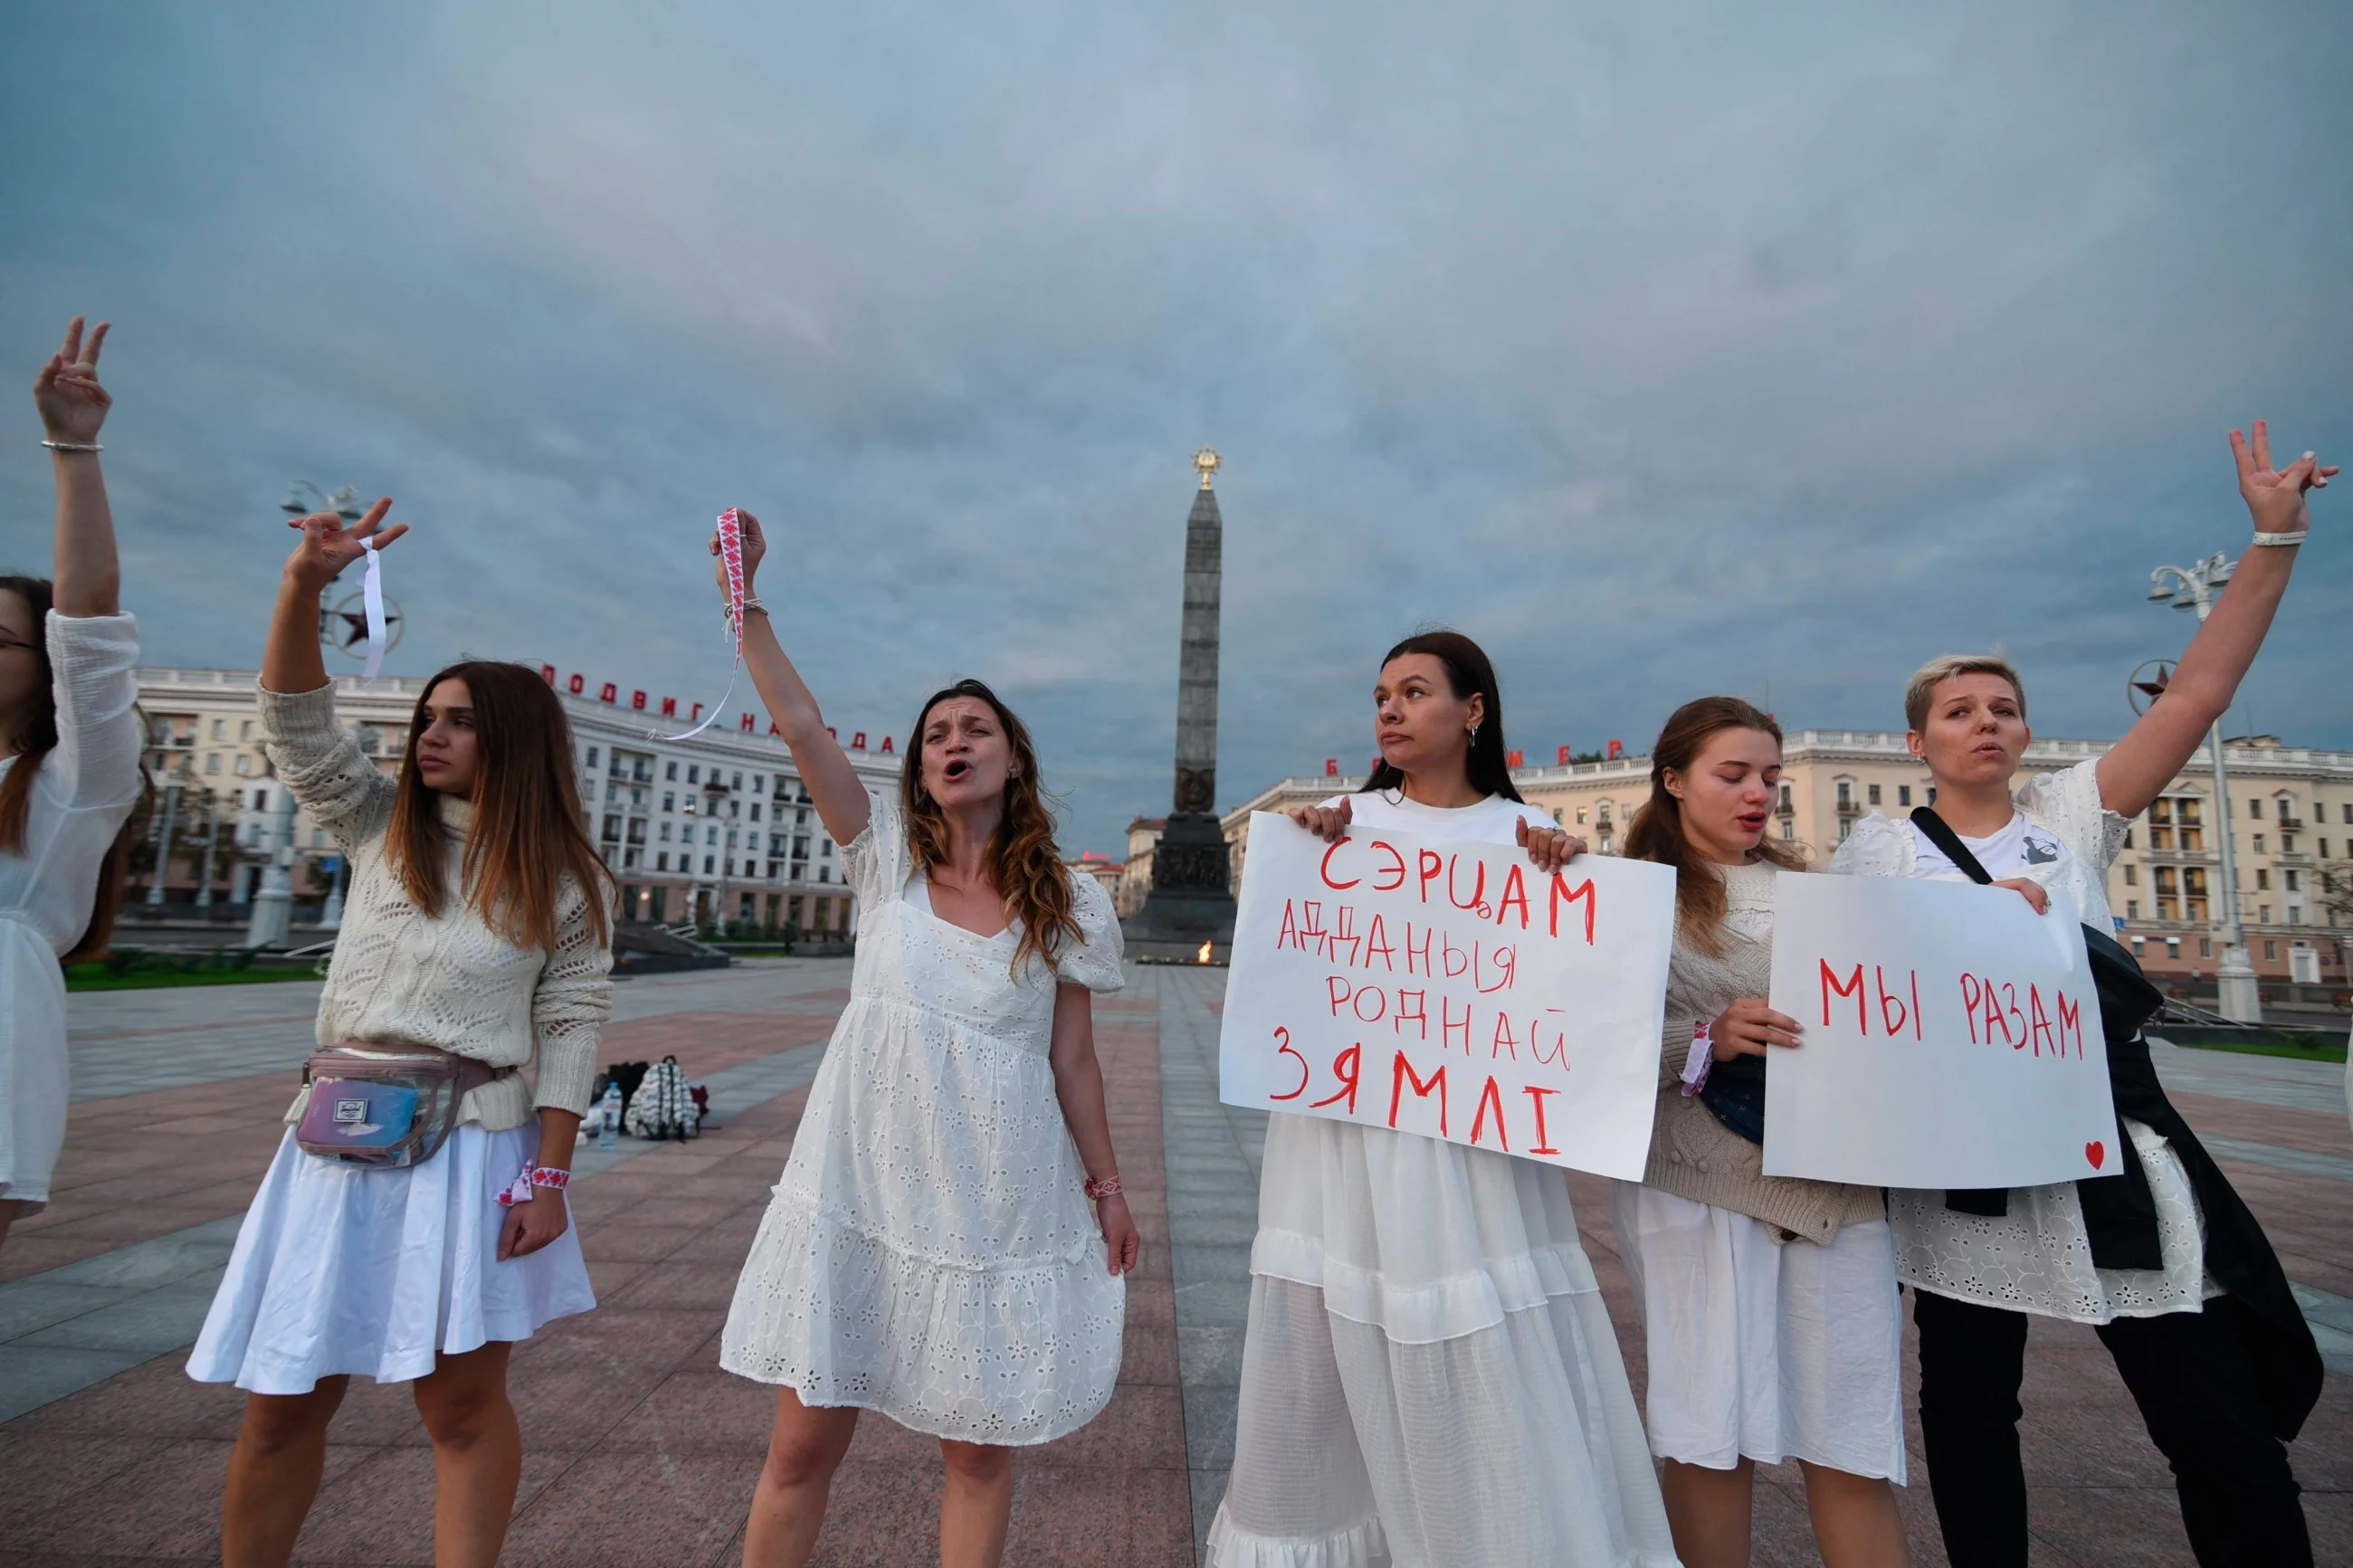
164	844
2193	588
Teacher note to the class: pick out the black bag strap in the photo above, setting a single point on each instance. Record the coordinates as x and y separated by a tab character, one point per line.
1925	819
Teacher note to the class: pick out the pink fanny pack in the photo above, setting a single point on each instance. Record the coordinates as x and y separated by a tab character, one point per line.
375	1105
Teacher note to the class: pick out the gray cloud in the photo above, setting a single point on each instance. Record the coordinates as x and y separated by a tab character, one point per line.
1697	348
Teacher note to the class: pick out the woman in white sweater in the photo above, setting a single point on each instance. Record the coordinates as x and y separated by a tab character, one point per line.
478	925
68	773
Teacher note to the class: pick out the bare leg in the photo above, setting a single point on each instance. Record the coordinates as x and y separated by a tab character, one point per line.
9	1209
273	1473
477	1454
805	1447
978	1505
1708	1511
1855	1522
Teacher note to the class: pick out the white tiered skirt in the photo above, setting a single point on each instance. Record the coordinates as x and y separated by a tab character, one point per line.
342	1269
1430	1377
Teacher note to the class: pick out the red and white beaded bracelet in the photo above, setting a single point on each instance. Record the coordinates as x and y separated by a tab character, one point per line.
534	1177
1107	1188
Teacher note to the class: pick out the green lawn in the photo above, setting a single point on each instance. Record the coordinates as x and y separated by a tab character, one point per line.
94	977
2329	1047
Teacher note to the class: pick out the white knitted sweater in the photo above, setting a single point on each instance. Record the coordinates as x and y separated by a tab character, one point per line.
402	976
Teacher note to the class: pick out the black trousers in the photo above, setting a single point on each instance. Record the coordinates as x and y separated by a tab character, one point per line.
2190	1375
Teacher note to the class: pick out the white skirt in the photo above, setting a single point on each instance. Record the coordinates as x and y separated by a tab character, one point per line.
341	1269
1429	1378
1763	1350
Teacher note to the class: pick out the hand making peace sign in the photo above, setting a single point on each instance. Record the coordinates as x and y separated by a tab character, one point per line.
72	403
2276	496
329	545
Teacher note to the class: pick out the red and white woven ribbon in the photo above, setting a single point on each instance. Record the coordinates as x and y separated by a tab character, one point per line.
731	555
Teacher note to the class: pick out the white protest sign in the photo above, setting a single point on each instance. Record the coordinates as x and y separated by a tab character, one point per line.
1951	1038
1452	990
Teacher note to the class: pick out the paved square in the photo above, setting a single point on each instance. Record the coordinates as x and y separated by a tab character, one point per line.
639	1450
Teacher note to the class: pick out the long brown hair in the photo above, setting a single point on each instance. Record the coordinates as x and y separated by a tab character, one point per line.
1023	862
528	830
1657	831
1468	670
33	732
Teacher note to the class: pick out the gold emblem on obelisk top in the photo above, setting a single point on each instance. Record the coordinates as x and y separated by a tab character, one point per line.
1206	460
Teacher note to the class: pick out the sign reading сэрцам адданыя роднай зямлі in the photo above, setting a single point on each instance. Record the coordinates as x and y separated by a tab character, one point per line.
1451	990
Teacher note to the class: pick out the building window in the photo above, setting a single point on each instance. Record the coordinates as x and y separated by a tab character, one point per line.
665	832
211	763
2173	947
220	728
706	865
2256	807
245	730
1904	794
661	861
2296	914
1790	830
755	811
592	756
2270	952
2263	914
2127	837
1846	792
2140	948
693	773
1786	799
2263	879
2345	814
2132	909
2205	947
670	772
2291	885
245	770
1580	816
1872	793
2132	875
2259	842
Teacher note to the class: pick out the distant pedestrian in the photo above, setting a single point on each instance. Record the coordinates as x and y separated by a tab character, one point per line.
1429	1374
1769	1303
69	774
2162	1257
948	1243
476	941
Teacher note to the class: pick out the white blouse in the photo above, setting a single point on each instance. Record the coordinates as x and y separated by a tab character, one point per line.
87	785
2037	1257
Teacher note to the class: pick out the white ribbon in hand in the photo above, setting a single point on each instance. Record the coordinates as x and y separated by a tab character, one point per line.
731	553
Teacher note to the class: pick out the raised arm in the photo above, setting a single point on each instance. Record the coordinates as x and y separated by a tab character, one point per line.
2136	767
842	804
73	407
291	660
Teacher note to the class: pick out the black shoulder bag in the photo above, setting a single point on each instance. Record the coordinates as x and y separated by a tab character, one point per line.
2120	1212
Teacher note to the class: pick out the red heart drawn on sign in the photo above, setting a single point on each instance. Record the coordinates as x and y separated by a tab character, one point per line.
2095	1151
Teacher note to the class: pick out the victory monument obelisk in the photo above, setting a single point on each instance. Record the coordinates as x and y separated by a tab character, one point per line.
1192	898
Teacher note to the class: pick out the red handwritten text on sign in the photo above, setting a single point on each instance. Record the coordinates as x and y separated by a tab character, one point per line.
1451	991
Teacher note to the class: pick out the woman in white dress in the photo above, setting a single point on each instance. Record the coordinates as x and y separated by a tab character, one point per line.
1769	1303
477	927
1430	1377
70	775
2163	1258
948	1244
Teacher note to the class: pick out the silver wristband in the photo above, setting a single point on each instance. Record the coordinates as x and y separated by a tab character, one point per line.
73	445
2281	541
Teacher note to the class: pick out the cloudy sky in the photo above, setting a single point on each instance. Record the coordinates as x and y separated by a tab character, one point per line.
1666	349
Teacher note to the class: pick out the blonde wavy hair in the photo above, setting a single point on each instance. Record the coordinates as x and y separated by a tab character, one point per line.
1024	863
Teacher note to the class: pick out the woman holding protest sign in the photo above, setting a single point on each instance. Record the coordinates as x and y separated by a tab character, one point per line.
413	1226
1430	1375
2161	1258
1769	1303
69	774
948	1244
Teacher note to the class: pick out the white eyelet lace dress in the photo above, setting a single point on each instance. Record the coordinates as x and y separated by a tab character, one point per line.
1429	1379
2037	1257
930	1252
87	785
